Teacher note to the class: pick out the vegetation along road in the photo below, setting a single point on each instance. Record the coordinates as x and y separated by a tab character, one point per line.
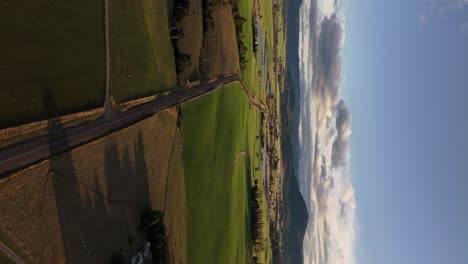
59	139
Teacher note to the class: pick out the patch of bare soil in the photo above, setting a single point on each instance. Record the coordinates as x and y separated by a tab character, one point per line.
219	51
84	206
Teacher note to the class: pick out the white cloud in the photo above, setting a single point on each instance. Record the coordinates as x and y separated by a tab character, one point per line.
326	7
324	132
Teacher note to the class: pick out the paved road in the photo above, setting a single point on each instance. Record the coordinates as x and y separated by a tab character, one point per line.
32	151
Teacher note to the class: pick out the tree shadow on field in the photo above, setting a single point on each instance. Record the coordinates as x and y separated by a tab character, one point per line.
99	197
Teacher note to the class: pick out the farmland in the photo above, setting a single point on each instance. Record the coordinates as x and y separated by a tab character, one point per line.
220	54
219	132
60	54
191	43
196	161
142	57
67	209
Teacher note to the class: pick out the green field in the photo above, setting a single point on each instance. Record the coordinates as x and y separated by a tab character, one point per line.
218	130
257	85
50	49
250	73
142	56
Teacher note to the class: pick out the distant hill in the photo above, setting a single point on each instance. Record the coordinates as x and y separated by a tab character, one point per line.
295	211
292	52
292	72
296	218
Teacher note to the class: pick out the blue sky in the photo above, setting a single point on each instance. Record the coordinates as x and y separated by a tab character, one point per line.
405	80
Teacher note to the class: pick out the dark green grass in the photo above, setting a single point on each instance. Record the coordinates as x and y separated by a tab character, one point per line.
216	130
142	54
50	48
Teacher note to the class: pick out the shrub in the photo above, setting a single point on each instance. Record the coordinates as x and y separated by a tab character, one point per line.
151	218
152	221
255	38
159	248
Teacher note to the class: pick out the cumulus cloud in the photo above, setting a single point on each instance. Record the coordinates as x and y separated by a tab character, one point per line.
325	131
331	35
327	7
340	154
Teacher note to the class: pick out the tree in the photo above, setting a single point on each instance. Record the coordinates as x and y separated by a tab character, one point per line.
183	61
180	10
176	33
239	21
151	218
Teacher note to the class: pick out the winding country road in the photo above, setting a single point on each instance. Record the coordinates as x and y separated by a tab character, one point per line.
20	155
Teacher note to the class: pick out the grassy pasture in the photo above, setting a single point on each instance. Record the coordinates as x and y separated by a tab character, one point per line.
219	130
50	49
142	56
250	73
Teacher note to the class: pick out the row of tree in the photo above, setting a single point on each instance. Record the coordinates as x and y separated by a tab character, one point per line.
256	220
180	10
239	22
